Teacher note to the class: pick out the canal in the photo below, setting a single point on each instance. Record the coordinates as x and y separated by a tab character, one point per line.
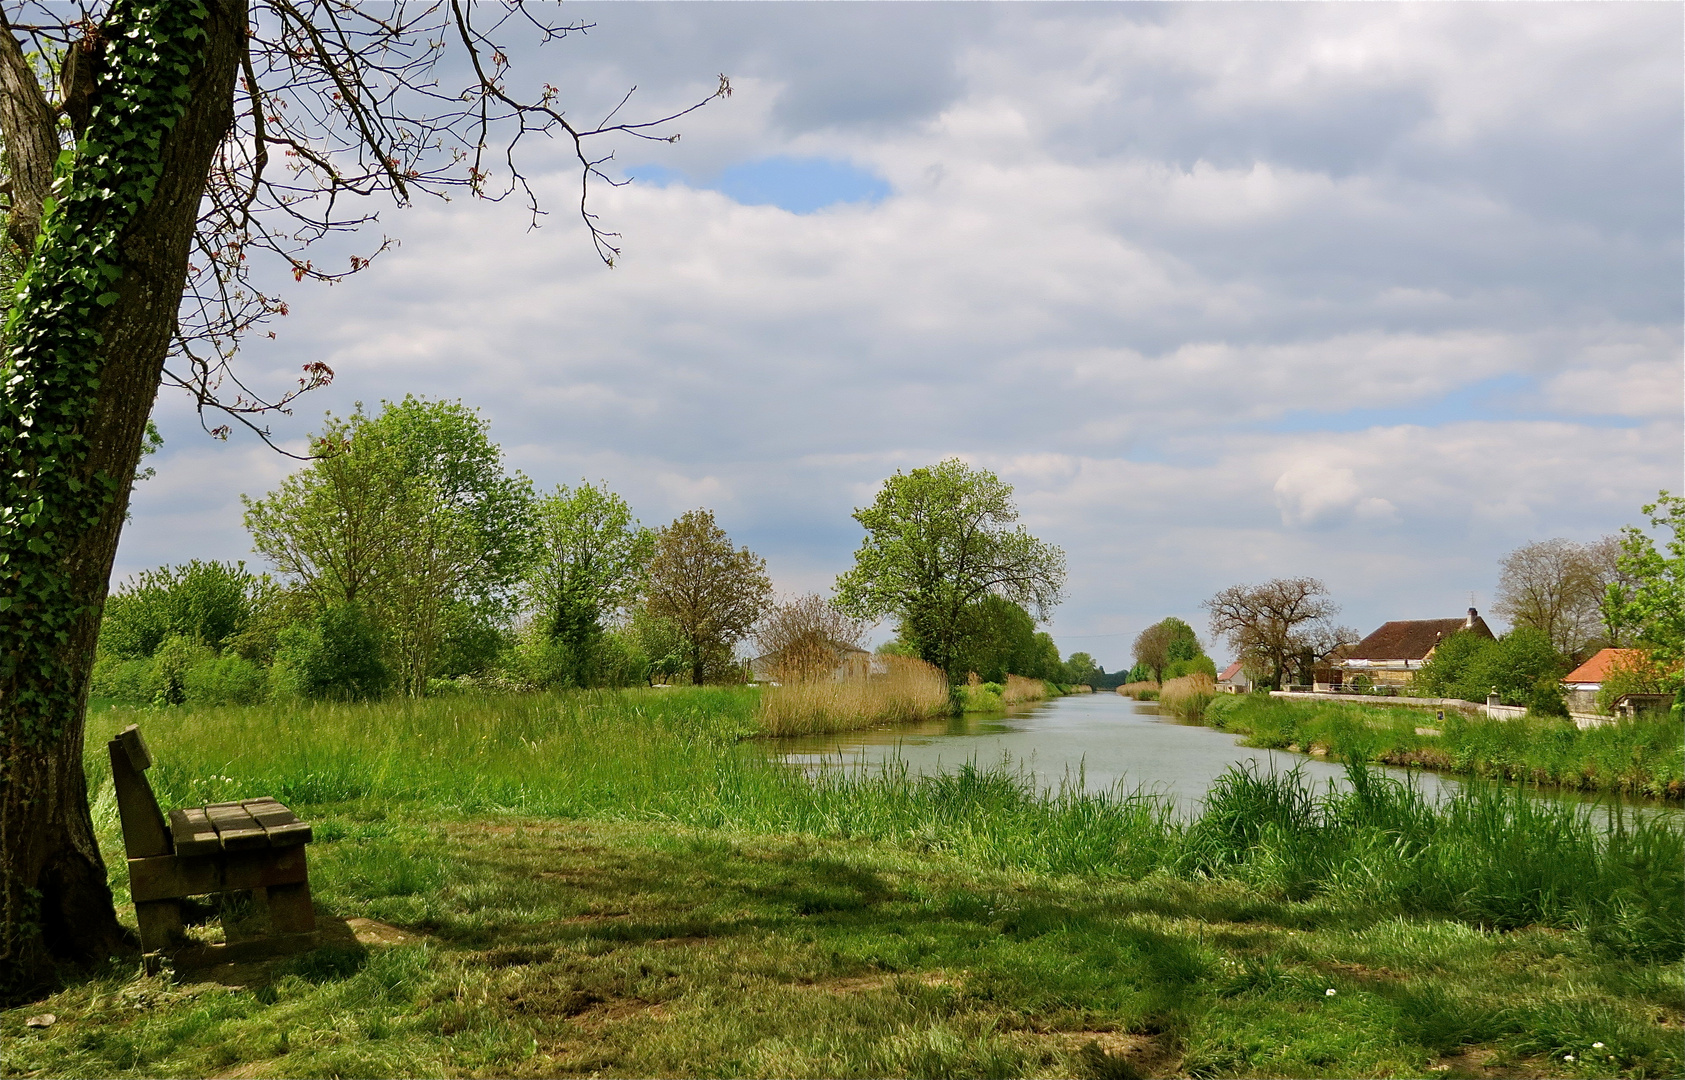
1102	740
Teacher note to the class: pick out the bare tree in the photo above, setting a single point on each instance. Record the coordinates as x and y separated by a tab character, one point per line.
804	634
1272	624
712	591
180	142
1557	587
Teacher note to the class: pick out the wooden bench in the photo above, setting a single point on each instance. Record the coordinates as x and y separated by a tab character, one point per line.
256	846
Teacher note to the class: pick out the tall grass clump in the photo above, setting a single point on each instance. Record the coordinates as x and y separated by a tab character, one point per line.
1019	690
1140	691
1188	697
909	690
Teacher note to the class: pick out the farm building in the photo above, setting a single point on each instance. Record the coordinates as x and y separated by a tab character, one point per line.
1392	655
1233	680
1581	685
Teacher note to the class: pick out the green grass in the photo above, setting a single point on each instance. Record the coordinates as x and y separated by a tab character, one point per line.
1644	757
621	884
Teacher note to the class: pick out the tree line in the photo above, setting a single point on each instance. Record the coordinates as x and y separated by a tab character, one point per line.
408	558
1564	601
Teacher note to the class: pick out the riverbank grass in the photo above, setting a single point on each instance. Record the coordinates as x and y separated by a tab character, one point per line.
623	884
1643	756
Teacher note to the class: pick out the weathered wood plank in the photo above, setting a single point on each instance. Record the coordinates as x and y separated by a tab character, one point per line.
193	832
144	831
135	747
169	876
280	823
235	827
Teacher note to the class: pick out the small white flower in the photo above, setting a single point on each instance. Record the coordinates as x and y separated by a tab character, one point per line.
1597	1046
1328	993
1567	1057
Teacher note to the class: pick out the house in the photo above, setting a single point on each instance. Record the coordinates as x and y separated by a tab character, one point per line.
1581	685
1392	655
852	662
1233	680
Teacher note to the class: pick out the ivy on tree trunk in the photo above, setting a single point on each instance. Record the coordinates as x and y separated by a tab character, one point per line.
84	347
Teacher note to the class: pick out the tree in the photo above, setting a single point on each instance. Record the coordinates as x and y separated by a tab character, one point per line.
938	540
999	638
205	602
1081	670
802	637
590	559
711	591
1169	649
409	515
1657	598
1271	623
1555	587
141	181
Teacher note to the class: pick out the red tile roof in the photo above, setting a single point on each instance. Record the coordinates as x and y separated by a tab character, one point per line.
1229	672
1597	668
1412	639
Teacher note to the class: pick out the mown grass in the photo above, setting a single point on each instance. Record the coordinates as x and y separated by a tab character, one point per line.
621	884
1645	756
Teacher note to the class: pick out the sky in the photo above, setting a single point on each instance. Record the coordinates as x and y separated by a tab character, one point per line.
1371	293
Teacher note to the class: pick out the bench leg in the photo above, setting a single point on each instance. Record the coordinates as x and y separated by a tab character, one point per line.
160	924
290	910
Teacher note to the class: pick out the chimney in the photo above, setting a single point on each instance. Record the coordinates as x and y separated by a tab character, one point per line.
1473	615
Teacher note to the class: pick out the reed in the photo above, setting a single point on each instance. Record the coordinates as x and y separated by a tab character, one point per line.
1140	691
1188	697
910	690
1019	689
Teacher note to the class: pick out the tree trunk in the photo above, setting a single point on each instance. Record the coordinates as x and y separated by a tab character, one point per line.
54	902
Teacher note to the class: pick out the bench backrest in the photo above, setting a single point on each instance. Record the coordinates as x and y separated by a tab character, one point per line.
144	831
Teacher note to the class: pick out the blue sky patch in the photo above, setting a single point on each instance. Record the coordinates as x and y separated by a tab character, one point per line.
799	185
1500	398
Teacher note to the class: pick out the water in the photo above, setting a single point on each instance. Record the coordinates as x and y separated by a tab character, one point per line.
1100	740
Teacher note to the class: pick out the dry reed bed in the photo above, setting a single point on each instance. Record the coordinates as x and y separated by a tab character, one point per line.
1140	691
1188	697
1019	689
909	690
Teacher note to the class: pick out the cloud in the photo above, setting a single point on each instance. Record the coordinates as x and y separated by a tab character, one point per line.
1228	292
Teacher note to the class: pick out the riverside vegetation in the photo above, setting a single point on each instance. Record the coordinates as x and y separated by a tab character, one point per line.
617	881
1642	756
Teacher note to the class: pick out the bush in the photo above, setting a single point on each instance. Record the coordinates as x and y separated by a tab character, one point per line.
225	680
1221	706
204	602
122	680
166	682
337	658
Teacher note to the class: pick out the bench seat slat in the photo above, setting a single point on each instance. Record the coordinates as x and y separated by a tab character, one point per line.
235	827
193	833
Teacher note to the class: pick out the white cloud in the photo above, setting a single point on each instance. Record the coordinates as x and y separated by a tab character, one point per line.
1150	264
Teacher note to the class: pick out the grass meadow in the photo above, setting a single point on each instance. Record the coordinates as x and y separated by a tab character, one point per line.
622	883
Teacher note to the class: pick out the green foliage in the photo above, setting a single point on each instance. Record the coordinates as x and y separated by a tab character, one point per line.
166	682
1169	649
1657	601
707	593
1193	665
938	540
207	602
410	516
336	658
225	680
1522	667
1081	670
49	378
591	559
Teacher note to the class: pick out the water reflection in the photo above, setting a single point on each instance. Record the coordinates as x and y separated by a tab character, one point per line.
1101	740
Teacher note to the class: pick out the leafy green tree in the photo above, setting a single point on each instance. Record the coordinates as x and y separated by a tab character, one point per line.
1081	670
590	560
999	638
711	592
1522	668
939	540
408	516
336	657
1169	649
1656	604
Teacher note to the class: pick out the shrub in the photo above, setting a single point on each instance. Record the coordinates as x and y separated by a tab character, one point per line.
122	680
204	602
984	697
1221	706
336	657
1188	697
225	680
166	682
